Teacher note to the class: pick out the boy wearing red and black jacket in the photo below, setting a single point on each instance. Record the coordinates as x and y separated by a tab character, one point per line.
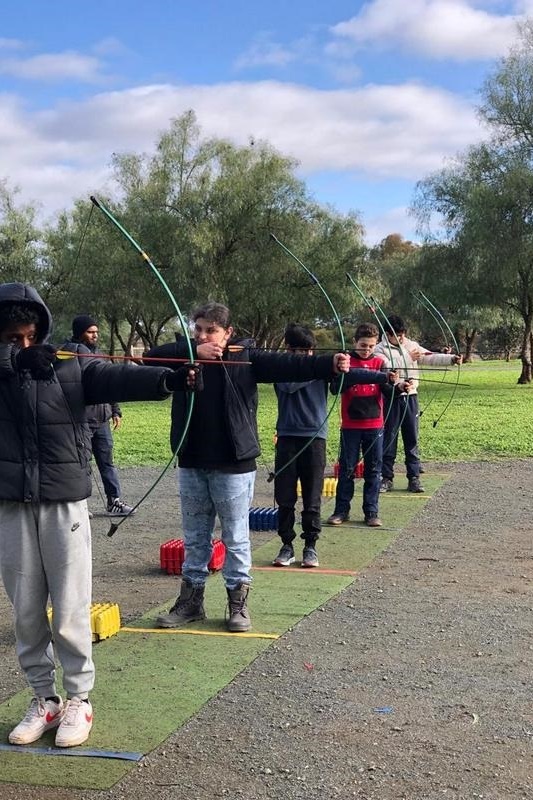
361	427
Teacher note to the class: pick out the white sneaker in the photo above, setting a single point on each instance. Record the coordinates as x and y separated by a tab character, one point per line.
76	723
41	716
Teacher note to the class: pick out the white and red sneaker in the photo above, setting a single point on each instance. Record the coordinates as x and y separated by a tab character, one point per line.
41	716
76	723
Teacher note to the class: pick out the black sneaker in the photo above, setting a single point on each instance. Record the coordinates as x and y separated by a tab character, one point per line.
386	485
117	508
415	486
309	558
337	519
285	557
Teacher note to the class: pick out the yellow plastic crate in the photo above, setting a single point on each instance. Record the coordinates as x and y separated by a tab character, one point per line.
105	620
329	487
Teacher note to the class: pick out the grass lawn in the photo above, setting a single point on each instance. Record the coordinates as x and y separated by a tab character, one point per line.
490	418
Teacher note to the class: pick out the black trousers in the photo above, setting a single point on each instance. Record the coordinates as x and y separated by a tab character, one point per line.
403	418
309	468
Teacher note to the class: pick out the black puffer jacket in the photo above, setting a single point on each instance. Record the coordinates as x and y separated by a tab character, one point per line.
45	441
240	388
98	414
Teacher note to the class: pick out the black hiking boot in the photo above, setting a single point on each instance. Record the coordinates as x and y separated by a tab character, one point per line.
239	617
189	607
415	486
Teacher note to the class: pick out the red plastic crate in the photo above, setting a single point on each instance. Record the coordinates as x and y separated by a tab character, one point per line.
172	556
359	469
218	555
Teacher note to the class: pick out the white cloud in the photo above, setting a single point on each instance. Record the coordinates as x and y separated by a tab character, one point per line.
262	53
11	44
402	131
393	220
439	29
47	67
344	73
524	7
110	46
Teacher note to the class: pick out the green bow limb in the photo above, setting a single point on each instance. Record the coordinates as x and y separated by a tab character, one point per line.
439	318
442	329
372	305
316	282
190	399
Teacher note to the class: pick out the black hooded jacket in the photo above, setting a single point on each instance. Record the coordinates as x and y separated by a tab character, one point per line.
239	393
101	413
45	440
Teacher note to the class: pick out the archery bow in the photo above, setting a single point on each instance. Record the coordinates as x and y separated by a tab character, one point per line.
439	316
372	304
316	282
190	398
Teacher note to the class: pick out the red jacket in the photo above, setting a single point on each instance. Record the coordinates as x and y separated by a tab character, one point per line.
362	403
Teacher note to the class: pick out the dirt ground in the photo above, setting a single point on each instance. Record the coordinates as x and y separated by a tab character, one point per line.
422	668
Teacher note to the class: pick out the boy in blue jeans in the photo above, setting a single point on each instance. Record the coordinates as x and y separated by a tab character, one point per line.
302	420
361	426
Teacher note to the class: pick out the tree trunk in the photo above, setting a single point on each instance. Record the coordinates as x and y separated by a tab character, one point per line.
112	333
525	356
470	338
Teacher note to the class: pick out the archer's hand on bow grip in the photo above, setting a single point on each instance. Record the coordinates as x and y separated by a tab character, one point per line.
341	363
38	359
186	378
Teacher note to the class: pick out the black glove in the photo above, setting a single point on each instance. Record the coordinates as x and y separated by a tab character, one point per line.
179	380
38	359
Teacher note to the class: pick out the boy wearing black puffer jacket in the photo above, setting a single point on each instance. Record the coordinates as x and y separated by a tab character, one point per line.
45	479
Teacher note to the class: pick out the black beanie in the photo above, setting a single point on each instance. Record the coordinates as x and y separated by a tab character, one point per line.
80	325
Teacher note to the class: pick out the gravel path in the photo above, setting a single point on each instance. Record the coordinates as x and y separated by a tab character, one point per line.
420	686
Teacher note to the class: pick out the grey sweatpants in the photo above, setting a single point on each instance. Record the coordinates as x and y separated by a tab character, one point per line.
45	552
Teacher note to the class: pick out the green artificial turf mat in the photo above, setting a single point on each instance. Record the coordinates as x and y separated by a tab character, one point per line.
149	684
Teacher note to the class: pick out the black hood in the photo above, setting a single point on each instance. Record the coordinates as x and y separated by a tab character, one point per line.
23	294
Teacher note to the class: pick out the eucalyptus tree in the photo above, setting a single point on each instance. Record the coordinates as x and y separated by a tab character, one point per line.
206	209
94	271
507	93
20	241
485	202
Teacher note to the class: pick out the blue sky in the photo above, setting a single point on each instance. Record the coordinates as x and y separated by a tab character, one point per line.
369	97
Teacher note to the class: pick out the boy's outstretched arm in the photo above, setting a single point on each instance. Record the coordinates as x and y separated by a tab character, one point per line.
357	375
186	378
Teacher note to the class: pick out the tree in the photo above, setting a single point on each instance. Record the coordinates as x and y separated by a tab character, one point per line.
20	242
204	210
486	202
507	93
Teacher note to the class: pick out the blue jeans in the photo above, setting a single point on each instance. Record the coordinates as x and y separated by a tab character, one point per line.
102	444
370	444
206	493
